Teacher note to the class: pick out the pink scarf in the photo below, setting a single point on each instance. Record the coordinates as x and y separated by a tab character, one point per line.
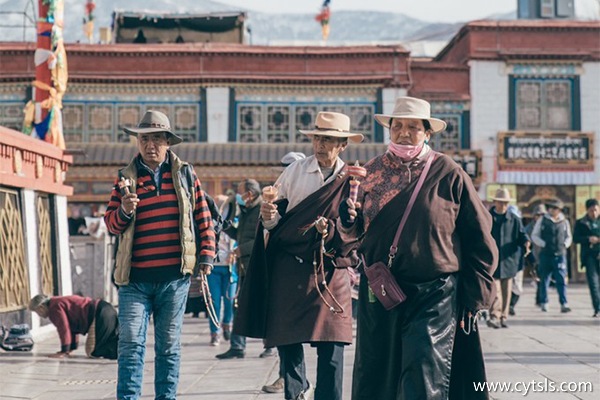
405	152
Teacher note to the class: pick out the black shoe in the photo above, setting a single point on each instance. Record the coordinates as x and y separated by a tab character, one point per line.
268	352
503	324
511	311
231	353
493	323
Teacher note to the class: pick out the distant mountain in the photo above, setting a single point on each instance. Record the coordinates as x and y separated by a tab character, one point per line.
347	27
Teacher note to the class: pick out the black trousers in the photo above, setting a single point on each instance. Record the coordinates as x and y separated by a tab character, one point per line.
107	331
330	370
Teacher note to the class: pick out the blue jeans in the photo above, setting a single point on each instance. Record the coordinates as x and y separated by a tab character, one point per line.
222	290
165	301
555	266
592	273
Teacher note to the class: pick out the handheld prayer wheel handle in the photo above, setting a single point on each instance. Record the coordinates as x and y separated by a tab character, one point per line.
355	171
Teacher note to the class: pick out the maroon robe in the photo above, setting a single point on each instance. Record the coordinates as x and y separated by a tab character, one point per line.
279	300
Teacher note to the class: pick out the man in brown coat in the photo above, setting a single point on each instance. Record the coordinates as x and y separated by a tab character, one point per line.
297	289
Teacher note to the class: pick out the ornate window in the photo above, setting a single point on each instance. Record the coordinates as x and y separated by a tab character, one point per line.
11	115
100	123
250	123
73	122
543	104
281	122
449	139
127	115
305	119
104	122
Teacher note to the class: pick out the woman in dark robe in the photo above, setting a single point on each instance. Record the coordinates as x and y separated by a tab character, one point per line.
444	264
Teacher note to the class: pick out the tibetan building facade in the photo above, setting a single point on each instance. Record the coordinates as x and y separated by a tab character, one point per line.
521	98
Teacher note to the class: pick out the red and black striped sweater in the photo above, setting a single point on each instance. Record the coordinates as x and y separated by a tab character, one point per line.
156	253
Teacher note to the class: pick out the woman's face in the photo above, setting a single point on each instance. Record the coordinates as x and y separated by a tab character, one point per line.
408	131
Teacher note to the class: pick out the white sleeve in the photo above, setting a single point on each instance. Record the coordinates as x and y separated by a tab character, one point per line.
569	238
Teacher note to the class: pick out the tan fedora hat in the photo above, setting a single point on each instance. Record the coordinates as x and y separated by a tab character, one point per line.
411	108
154	122
554	203
334	124
502	194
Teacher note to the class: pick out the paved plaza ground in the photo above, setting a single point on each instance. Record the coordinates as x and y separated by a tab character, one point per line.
541	347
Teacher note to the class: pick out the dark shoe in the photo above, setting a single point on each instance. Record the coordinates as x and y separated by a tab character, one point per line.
226	331
214	339
231	353
268	352
565	308
511	311
503	324
493	323
275	387
596	313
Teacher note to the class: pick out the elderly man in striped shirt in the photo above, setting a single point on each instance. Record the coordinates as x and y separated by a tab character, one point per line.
161	215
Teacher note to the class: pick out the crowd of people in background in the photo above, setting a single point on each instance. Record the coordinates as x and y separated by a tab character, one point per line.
289	268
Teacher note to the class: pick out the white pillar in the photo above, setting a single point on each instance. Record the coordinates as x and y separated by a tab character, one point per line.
64	251
217	114
388	99
30	230
489	113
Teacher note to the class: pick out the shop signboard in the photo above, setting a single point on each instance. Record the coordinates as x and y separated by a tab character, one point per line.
559	151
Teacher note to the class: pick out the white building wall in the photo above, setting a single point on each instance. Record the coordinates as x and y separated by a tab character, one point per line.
217	114
489	113
589	84
388	99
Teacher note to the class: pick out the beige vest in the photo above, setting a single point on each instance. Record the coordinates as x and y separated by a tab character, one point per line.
186	202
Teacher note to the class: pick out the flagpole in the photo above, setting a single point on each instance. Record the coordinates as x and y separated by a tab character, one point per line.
42	72
43	113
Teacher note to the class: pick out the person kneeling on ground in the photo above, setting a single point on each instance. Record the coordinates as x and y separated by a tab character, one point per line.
74	315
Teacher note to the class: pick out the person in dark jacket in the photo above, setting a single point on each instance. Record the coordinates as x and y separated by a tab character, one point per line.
249	199
510	237
587	234
552	233
75	315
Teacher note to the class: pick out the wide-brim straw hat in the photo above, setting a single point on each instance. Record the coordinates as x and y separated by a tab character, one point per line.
334	124
411	108
503	195
154	122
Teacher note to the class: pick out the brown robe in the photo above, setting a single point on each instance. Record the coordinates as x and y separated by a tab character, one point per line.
447	232
279	300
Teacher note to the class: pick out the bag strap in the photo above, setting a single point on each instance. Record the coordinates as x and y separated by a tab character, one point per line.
411	202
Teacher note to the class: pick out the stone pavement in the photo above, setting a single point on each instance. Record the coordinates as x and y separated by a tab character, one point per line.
537	346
